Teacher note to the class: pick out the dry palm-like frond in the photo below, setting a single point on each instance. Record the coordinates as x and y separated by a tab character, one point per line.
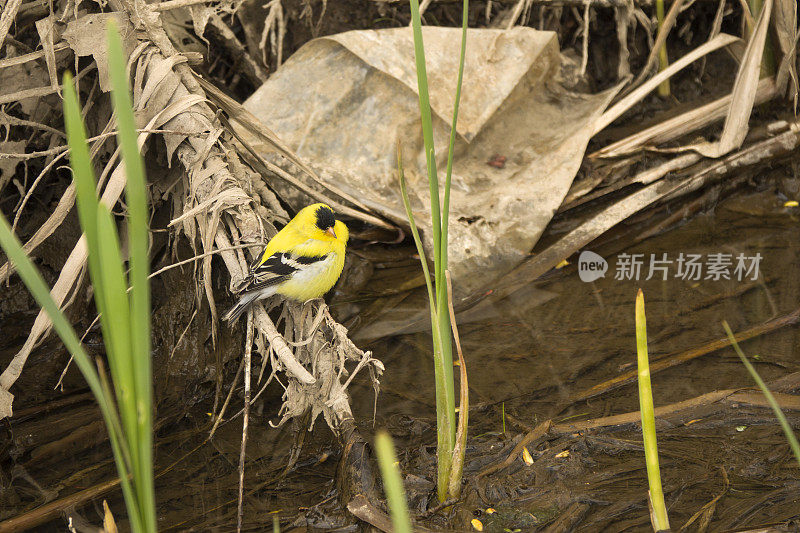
224	202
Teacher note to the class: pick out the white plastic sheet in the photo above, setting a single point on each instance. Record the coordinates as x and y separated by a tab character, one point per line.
343	103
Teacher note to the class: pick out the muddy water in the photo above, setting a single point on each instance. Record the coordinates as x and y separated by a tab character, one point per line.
560	335
528	358
531	355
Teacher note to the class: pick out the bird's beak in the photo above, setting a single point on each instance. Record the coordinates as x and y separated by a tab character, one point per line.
330	232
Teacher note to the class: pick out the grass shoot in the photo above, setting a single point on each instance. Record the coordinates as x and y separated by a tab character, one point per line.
436	285
787	429
392	483
659	510
126	404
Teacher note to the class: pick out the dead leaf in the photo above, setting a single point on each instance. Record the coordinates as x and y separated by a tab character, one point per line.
8	165
47	36
526	456
623	105
87	37
6	399
661	39
682	124
200	16
26	76
744	92
785	22
109	525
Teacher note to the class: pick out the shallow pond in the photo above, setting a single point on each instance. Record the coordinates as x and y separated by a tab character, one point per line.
531	357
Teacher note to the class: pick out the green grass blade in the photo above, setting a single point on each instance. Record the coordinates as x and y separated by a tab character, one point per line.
392	483
138	242
445	327
41	293
85	184
452	145
415	232
443	356
427	132
787	429
443	423
115	320
87	206
445	415
648	419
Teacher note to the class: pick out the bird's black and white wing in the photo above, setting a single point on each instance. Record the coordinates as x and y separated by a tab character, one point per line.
278	268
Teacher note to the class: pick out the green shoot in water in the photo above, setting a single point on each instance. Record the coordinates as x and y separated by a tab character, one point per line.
787	429
659	516
392	483
437	287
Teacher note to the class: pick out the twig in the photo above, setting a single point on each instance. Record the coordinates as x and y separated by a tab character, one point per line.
708	507
364	510
63	147
423	6
28	93
248	351
274	32
224	407
623	17
7	18
459	450
685	408
14	121
60	381
537	433
661	39
19	60
585	39
204	255
175	4
519	7
52	510
551	3
433	510
265	324
183	333
256	397
671	360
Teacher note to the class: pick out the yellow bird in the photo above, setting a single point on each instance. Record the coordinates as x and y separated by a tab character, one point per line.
301	262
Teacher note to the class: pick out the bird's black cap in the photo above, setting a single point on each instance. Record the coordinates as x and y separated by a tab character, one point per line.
325	217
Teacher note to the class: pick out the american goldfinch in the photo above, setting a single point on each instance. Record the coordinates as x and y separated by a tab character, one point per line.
301	262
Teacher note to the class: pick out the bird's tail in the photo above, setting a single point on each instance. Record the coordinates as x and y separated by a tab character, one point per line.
241	306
